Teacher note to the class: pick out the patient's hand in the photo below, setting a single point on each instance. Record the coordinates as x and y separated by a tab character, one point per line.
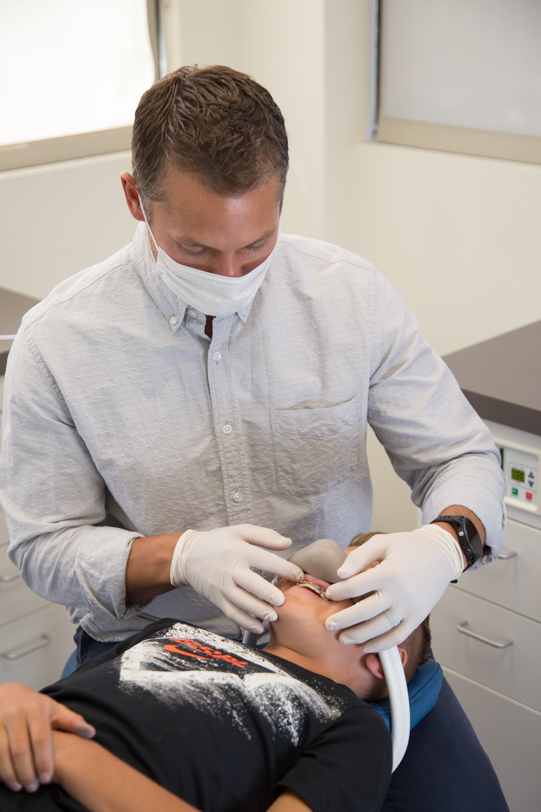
26	721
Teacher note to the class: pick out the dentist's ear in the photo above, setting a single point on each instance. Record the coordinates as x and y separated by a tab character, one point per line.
373	662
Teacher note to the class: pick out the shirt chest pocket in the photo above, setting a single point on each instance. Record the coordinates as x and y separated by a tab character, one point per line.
315	449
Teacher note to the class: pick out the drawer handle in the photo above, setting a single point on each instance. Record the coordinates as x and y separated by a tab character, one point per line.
8	579
462	628
506	556
33	645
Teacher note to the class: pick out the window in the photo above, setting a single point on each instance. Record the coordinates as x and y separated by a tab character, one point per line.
71	75
462	75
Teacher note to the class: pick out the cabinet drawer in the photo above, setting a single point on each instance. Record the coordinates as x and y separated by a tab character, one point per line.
510	734
34	650
513	583
16	599
513	670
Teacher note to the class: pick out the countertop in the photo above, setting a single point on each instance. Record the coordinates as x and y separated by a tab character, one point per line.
501	377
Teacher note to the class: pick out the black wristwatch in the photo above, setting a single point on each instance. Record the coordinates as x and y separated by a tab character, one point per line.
468	537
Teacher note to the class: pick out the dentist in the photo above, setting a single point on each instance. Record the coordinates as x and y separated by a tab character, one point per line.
177	414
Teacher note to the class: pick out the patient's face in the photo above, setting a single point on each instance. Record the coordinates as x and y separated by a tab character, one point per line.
301	636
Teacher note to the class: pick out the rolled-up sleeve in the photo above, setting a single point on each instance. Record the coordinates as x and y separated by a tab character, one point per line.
54	497
435	440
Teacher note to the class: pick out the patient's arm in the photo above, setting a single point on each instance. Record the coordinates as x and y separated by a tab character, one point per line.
289	801
26	720
101	782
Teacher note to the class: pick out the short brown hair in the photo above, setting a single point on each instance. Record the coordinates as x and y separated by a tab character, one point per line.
213	122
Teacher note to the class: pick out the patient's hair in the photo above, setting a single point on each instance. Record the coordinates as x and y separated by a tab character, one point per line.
418	644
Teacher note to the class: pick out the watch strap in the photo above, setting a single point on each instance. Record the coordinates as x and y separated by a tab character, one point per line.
468	537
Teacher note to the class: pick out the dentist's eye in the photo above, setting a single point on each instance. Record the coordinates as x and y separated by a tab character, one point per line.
193	251
255	248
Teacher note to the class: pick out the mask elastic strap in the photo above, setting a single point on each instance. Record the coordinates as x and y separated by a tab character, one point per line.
147	225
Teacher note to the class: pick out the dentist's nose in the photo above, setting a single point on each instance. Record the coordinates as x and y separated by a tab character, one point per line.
228	266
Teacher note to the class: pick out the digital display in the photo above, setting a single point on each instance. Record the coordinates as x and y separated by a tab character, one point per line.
517	474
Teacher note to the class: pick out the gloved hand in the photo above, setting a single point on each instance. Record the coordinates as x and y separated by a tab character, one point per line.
414	571
217	564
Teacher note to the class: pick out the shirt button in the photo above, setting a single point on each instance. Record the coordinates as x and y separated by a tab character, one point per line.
217	356
237	496
192	313
227	429
173	320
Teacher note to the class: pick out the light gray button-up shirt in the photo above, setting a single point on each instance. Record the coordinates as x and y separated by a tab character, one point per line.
117	404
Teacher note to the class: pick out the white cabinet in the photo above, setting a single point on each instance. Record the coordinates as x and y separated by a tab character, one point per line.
36	638
35	648
511	735
487	636
513	580
16	599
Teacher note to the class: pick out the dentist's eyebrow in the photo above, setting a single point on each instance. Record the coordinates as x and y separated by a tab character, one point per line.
194	244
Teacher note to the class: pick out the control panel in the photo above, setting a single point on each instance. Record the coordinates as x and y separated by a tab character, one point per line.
521	468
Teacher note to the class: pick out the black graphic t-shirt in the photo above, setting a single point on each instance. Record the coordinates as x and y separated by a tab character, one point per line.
223	726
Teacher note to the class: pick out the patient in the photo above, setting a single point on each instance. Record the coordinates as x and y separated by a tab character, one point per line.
186	719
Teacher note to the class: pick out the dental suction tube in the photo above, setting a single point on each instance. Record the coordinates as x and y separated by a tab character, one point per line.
399	701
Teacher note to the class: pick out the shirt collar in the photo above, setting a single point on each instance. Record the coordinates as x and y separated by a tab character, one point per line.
171	307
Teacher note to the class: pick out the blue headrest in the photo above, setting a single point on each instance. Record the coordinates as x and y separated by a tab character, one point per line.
423	690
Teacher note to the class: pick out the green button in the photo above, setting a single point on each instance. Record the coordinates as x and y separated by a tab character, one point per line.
514	491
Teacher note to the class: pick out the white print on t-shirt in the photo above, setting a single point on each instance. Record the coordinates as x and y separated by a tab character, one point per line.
283	700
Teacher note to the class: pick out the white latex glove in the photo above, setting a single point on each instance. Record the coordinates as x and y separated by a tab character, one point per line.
217	564
414	571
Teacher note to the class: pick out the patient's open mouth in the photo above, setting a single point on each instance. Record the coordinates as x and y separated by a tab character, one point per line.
319	590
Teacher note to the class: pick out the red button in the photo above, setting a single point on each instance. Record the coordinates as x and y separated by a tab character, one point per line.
529	495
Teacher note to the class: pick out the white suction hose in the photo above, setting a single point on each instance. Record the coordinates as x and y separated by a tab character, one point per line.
398	697
399	701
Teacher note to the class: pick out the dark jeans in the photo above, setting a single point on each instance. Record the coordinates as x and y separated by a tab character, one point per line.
88	647
445	769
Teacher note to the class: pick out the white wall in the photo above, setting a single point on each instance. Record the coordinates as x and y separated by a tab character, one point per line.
458	236
59	218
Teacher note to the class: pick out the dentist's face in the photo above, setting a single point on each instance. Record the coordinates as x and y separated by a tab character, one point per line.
197	227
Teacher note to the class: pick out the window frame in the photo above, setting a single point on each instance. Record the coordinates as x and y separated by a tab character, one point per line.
82	145
446	137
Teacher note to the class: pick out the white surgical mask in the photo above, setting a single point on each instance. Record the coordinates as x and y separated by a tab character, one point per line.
210	293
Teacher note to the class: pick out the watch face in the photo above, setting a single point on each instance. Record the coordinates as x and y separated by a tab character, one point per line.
474	538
